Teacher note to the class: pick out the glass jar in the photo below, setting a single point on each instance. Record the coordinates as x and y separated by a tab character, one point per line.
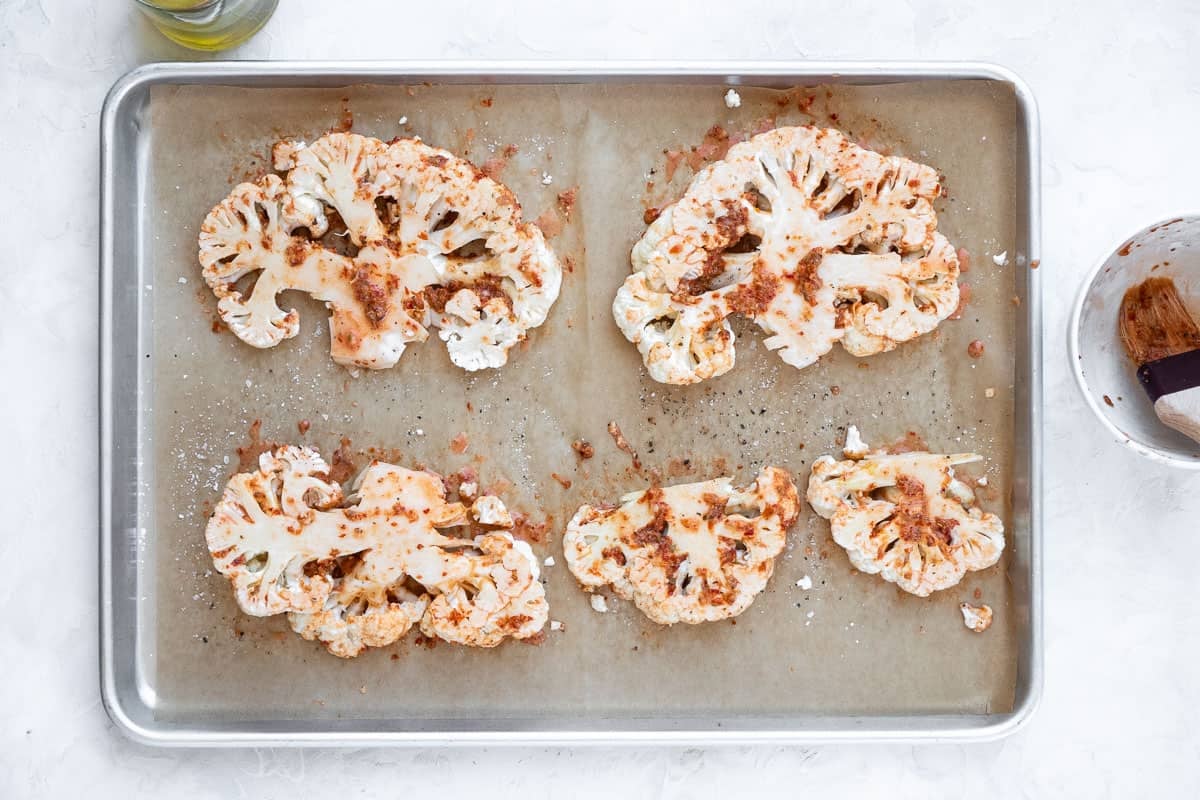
208	24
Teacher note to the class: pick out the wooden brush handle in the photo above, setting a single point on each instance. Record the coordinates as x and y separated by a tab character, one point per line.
1181	411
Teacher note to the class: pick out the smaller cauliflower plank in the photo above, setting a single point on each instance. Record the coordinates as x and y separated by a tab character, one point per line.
690	553
816	239
358	570
437	244
906	518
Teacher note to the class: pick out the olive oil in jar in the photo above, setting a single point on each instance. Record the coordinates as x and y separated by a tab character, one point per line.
208	24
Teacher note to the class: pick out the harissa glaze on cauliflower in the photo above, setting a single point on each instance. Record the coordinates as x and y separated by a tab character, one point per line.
359	569
438	244
905	517
814	238
689	553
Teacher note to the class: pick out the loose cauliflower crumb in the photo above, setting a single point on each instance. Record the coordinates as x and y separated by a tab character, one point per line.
359	569
599	604
977	618
814	238
733	99
854	447
489	510
438	245
804	583
688	553
906	517
1000	259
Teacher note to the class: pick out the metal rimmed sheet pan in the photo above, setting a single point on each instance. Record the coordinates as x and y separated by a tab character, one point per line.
850	658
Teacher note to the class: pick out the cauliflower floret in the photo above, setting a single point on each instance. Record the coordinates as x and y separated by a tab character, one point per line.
361	614
251	232
259	539
283	153
343	170
814	238
439	244
237	240
501	597
906	517
690	553
359	570
478	335
683	344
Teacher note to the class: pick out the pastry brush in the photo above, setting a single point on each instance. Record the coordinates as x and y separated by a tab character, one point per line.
1164	342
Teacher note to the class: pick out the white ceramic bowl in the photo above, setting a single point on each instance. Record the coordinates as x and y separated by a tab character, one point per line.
1105	374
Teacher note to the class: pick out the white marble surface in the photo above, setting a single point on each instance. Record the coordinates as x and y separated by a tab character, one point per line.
1119	88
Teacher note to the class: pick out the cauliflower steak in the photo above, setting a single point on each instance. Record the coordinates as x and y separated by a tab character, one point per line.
359	569
814	238
434	242
690	553
906	518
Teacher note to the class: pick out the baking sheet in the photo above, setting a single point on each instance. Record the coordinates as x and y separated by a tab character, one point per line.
852	645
